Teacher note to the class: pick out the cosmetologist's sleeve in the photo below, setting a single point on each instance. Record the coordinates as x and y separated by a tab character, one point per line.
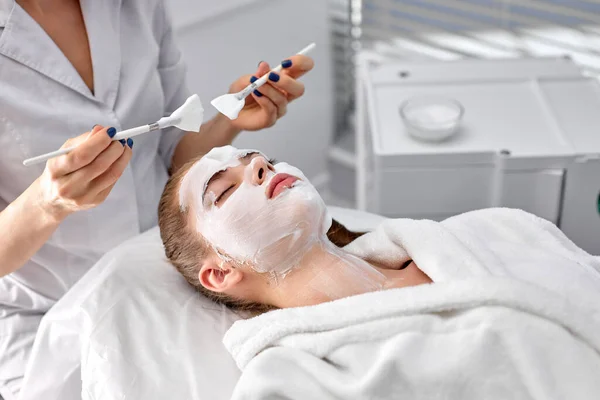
172	70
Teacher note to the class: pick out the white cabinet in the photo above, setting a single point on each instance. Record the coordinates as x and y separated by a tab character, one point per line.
529	139
538	192
580	218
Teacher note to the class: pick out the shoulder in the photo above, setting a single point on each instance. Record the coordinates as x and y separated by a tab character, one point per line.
509	224
152	13
496	216
144	4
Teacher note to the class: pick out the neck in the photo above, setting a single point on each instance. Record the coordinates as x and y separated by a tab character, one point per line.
325	273
36	6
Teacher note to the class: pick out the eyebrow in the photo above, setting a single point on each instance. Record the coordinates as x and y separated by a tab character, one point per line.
249	154
220	173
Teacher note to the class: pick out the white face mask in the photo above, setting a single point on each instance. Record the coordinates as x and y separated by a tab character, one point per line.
268	234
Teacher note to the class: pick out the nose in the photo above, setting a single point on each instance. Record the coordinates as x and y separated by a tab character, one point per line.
259	170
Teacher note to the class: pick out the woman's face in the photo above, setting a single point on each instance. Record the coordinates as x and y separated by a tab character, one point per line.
253	211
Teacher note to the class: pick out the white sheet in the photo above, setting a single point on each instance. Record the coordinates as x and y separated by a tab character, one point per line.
138	331
514	313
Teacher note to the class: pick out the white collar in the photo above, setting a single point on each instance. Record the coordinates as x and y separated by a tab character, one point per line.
6	7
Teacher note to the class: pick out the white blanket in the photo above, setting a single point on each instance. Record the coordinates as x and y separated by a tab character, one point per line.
513	313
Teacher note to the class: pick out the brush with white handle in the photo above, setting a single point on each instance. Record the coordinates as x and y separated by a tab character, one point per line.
231	104
188	117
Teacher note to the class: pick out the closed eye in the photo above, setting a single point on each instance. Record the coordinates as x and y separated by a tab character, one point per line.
222	195
227	192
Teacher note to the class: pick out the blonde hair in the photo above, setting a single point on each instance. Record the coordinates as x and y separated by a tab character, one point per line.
185	248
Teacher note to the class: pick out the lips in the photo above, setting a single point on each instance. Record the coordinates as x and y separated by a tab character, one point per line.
279	183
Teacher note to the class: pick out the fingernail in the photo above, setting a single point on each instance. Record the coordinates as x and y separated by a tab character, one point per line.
253	79
260	62
130	143
274	77
94	126
257	93
122	141
111	132
286	63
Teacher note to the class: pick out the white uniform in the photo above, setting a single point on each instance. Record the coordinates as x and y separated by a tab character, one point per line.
138	78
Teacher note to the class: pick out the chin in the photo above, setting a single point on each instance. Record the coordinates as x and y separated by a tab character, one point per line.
304	205
273	235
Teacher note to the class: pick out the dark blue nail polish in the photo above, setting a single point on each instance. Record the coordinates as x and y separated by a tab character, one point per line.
130	143
274	77
258	94
122	141
111	132
286	63
253	79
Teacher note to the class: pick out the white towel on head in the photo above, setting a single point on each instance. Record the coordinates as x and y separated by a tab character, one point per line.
514	313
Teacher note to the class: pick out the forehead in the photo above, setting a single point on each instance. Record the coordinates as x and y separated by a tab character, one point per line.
217	160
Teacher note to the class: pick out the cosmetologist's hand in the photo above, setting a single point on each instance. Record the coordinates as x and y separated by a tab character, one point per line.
269	103
83	178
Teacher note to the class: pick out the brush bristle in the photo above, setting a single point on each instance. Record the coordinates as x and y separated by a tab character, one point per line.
228	105
191	114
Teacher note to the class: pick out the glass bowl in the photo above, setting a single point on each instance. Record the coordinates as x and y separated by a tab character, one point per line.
432	119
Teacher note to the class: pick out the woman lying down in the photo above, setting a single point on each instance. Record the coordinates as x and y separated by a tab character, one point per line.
491	304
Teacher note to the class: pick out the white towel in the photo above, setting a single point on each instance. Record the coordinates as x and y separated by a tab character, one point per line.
514	313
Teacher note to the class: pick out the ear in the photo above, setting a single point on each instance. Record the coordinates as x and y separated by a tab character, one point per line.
219	276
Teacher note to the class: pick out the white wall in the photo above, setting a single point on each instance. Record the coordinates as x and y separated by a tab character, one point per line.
222	40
